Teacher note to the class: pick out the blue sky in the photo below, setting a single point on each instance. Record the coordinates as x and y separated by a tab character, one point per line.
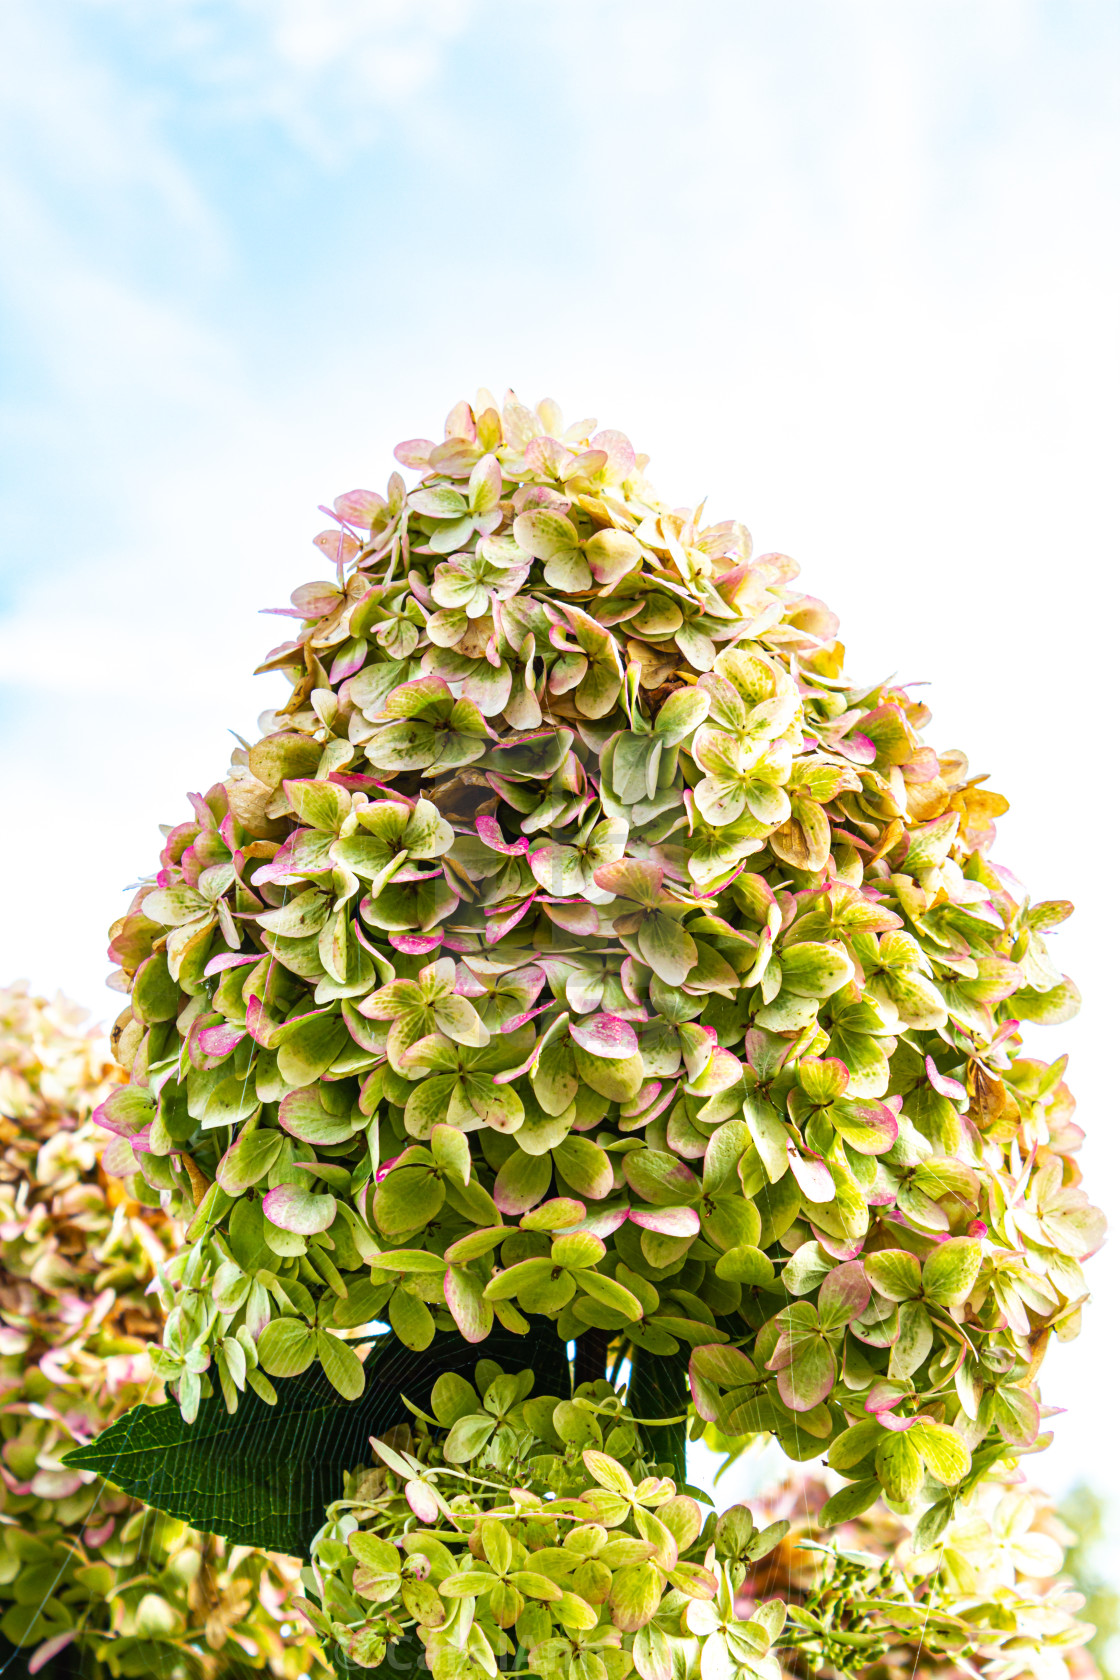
845	266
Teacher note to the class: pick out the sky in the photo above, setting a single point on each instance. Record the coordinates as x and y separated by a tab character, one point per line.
847	268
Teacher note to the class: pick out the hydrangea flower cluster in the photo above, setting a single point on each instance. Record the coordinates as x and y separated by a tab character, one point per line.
506	1525
82	1567
519	1522
991	1597
579	942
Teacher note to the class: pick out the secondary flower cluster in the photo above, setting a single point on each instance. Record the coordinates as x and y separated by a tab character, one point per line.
512	1520
81	1564
579	941
990	1597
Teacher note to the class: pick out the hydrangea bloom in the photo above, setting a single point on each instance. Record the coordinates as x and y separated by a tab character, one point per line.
81	1564
579	942
510	1519
991	1597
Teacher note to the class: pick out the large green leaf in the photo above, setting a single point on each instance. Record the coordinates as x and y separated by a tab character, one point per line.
264	1476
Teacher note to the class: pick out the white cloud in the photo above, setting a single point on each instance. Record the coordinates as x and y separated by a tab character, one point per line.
73	128
323	72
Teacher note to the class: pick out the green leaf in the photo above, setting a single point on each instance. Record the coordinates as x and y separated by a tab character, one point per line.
898	1464
496	1545
303	1116
653	1654
155	996
568	572
851	1501
545	534
220	1099
246	1236
869	1127
894	1274
463	1293
248	1160
586	1167
946	1456
453	1397
284	755
730	1221
634	767
408	1260
406	1199
27	1624
459	1020
632	878
286	1347
411	1320
1049	1009
681	713
554	1080
778	1204
580	1249
299	917
375	1553
364	1303
370	689
467	1583
294	1209
844	1295
467	1437
546	1293
439	503
1016	1415
617	1081
475	1244
472	1203
428	1103
427	834
499	1105
806	1269
913	1342
521	1182
932	1525
308	1051
322	805
745	1264
635	1595
612	553
175	906
727	1366
805	1382
558	1214
451	1150
667	948
949	1273
610	1293
341	1363
263	1476
853	1444
211	1208
815	970
769	1135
